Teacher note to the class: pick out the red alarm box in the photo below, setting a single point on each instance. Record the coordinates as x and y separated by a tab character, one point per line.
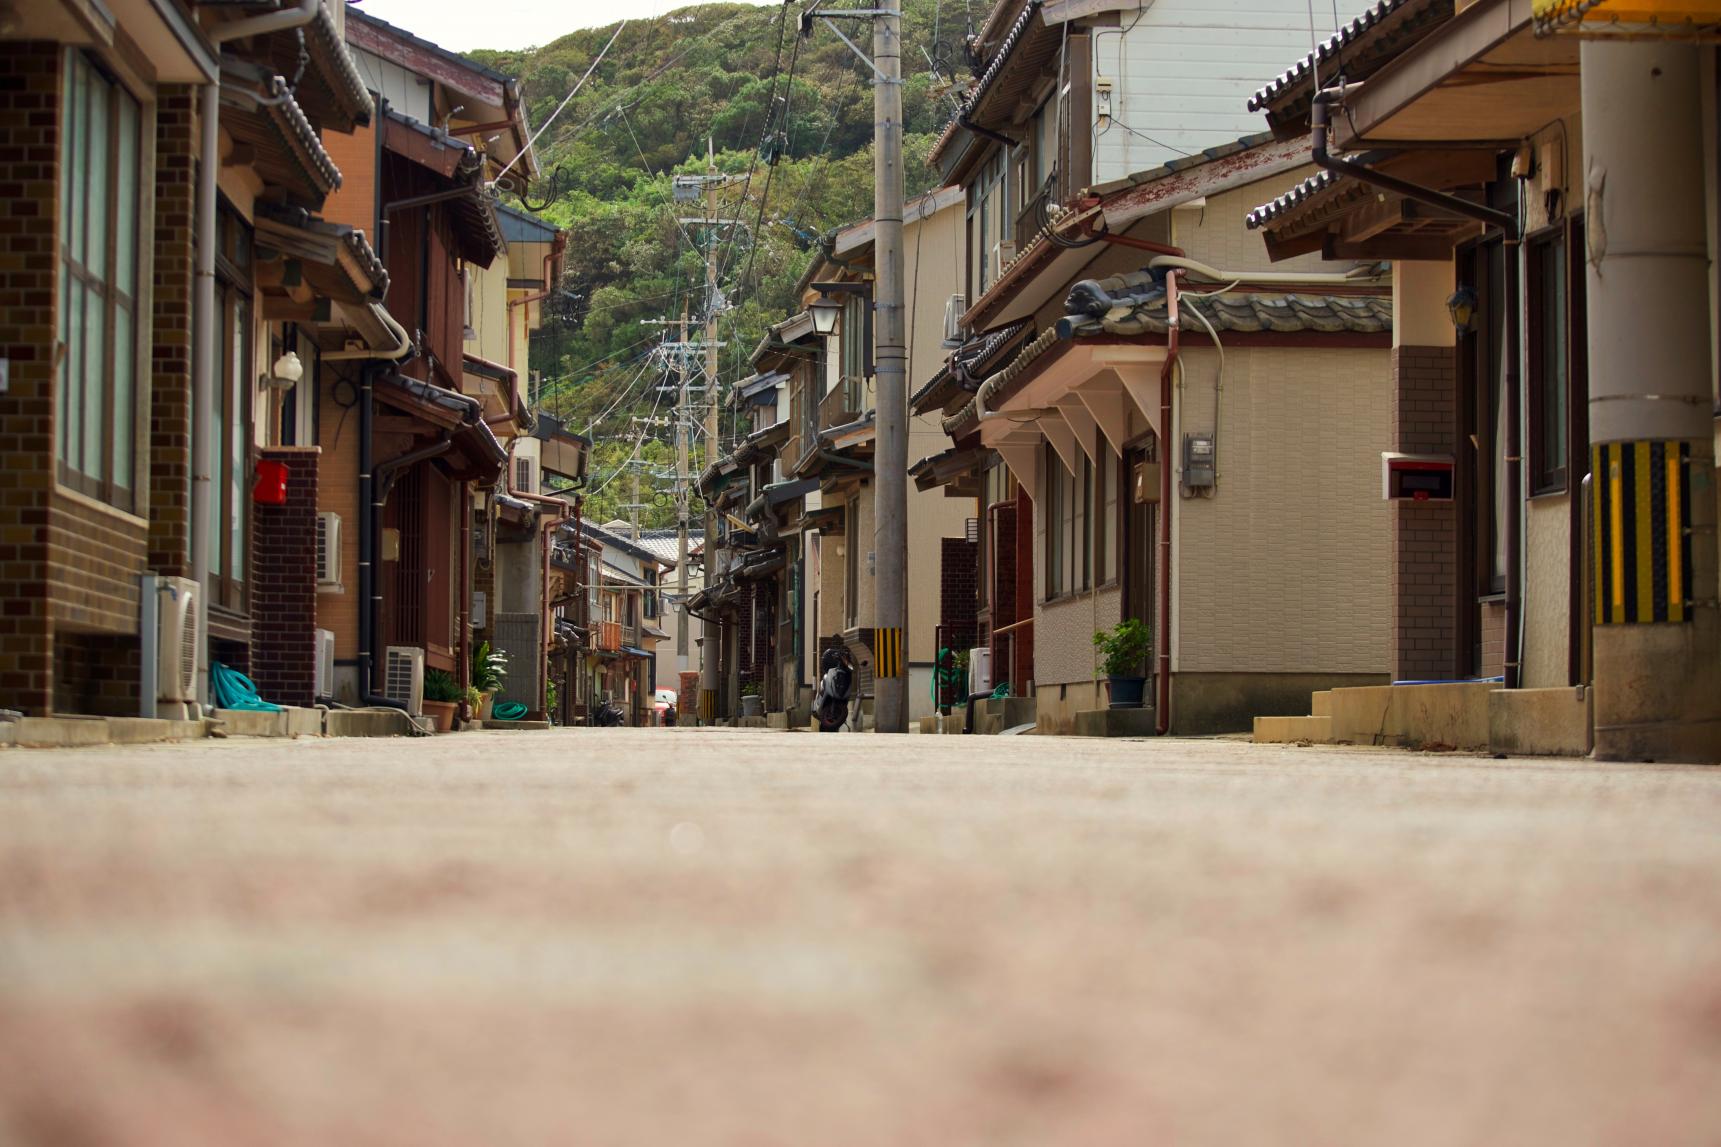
271	487
1416	477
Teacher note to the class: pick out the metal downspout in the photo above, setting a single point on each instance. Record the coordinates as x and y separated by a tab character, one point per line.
1162	674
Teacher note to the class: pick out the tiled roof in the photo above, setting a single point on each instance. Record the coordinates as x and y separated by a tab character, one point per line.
1000	59
1328	50
969	416
1292	199
1145	314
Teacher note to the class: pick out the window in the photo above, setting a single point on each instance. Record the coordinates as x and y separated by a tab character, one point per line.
988	199
232	431
99	252
1070	539
1549	363
855	351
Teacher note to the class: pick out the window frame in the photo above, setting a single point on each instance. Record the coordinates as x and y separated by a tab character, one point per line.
235	311
1547	275
123	190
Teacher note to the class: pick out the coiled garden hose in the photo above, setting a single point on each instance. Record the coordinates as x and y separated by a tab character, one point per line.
231	689
507	711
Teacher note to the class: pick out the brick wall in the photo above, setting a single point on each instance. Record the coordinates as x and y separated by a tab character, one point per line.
96	674
1022	666
1004	580
284	584
170	398
1424	534
959	591
29	97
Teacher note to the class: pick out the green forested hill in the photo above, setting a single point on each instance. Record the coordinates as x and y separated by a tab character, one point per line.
743	79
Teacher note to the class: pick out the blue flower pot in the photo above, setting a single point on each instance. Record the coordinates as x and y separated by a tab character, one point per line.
1126	692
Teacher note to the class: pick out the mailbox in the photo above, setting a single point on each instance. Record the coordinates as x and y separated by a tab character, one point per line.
1416	477
271	485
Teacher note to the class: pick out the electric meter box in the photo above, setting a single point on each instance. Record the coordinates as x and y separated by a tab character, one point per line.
1416	477
1198	461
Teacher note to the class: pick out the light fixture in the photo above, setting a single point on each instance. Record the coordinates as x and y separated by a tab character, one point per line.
287	372
825	311
1462	307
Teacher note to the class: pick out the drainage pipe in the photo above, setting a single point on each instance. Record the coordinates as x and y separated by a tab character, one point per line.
1162	638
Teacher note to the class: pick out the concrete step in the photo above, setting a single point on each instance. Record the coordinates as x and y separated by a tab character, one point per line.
366	723
1450	715
288	722
1321	704
1136	722
1540	722
1293	730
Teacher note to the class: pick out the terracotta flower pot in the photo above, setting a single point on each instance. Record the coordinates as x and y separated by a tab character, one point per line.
442	713
486	702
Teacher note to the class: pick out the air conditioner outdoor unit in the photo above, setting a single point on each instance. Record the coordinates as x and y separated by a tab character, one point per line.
403	677
525	476
325	675
979	669
1003	251
174	621
328	550
954	308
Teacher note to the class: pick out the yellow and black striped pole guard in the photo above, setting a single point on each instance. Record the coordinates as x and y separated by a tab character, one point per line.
887	653
1640	532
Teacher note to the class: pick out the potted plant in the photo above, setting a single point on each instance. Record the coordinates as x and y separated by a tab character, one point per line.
752	703
441	698
469	703
1123	648
489	670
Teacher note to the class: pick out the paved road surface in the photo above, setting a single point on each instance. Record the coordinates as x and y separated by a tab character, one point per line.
679	937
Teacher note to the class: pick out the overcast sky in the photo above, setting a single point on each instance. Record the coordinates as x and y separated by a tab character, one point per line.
463	24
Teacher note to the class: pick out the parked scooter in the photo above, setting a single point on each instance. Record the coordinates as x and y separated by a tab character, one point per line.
836	689
608	715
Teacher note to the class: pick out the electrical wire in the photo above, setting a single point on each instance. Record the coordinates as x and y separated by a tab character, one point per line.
568	100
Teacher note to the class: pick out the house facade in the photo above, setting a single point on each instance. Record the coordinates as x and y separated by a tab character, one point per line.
797	570
1543	178
1152	420
157	341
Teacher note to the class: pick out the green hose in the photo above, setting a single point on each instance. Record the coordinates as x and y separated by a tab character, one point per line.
231	689
507	711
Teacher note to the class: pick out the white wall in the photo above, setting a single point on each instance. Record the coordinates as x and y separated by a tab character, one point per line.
406	92
1182	72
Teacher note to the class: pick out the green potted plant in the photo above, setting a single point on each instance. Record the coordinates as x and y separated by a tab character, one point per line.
441	698
489	671
752	700
469	703
1123	650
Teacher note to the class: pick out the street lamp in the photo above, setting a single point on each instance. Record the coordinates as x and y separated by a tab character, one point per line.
825	311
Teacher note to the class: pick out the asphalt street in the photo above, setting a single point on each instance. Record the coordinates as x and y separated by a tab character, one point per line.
710	937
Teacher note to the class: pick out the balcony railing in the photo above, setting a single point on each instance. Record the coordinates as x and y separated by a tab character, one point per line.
609	635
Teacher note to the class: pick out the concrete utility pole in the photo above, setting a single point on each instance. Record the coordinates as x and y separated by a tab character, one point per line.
710	654
713	449
683	647
890	358
1657	630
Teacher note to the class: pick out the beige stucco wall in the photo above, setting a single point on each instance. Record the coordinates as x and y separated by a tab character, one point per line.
488	311
1547	590
1213	231
932	261
1285	568
1064	634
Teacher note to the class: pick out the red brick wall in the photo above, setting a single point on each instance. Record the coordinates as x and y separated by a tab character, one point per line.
959	591
1425	584
29	223
1003	588
1022	671
284	584
170	399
